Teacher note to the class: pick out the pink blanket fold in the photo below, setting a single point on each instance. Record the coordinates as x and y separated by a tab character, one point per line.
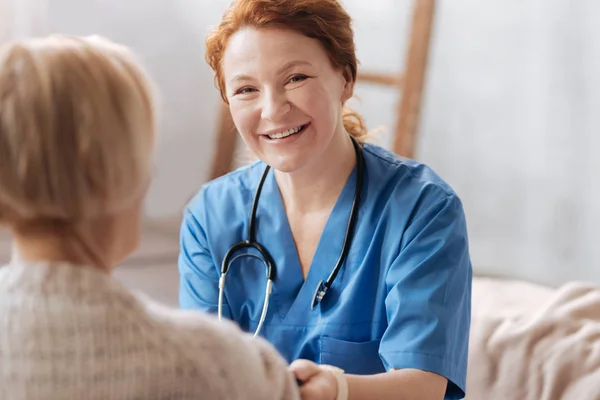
529	342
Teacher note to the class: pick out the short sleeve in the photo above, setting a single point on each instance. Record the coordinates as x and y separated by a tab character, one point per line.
428	303
198	274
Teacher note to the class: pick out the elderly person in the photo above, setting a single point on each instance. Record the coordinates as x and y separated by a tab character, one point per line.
76	139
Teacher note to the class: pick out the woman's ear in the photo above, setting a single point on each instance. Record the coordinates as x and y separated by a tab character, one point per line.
348	90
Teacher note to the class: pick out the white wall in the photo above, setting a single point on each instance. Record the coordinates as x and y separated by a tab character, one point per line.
22	18
510	113
511	119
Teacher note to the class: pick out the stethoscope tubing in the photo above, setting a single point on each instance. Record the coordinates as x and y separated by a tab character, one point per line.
268	261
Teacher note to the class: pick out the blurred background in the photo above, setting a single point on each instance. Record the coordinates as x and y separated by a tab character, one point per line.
509	117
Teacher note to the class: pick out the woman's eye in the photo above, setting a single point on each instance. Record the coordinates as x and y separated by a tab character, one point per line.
298	78
245	90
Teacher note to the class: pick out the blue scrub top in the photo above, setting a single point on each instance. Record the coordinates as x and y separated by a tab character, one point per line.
401	300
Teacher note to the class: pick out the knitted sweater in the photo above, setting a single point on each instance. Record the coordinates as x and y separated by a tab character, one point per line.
71	332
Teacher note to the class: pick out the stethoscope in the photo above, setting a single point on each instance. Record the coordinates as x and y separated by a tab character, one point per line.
267	260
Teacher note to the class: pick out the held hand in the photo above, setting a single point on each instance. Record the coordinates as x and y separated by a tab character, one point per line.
316	383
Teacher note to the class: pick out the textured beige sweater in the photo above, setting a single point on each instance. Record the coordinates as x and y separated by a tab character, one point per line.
75	333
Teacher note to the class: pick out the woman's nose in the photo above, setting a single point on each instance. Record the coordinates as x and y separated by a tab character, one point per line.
275	106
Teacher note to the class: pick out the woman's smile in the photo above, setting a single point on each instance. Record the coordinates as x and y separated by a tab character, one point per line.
285	136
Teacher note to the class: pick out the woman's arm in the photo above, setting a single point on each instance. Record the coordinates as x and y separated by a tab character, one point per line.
405	384
198	274
217	360
428	302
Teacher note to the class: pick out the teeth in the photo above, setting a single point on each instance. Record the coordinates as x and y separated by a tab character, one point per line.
280	135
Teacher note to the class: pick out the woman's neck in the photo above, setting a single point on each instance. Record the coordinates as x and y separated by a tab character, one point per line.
50	245
38	248
316	187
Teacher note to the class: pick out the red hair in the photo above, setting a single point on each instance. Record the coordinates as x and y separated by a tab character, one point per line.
324	20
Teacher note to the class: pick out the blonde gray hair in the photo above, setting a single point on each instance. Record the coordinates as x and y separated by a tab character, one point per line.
77	129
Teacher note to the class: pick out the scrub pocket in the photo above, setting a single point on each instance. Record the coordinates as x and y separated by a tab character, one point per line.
360	358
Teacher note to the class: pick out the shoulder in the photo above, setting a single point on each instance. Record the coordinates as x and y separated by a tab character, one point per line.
231	190
404	179
225	359
192	331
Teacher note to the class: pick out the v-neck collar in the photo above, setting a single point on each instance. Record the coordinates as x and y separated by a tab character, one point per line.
292	294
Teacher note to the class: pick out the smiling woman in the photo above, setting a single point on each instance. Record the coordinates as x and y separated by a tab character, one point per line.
367	253
268	101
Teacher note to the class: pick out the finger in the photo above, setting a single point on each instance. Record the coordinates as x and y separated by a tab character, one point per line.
304	369
309	392
322	386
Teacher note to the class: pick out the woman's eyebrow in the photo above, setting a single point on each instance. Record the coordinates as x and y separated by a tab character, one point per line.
292	64
287	66
241	77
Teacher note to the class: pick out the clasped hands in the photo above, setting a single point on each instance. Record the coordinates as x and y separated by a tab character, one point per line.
318	382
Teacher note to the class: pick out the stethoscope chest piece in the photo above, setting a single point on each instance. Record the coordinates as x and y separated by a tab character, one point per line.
318	295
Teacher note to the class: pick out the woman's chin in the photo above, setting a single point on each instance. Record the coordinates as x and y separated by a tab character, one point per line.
286	166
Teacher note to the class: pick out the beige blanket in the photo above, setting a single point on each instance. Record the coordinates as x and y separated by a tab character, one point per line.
530	342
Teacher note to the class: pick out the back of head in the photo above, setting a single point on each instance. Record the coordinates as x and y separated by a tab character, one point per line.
324	20
76	129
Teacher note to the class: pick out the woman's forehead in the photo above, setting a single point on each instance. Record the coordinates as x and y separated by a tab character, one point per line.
270	50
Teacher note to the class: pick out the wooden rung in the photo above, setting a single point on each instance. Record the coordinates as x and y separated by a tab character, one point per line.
225	140
381	79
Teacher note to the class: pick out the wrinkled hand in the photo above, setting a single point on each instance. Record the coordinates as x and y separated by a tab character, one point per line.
317	383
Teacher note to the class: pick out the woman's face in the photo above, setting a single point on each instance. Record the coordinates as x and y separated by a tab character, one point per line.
285	96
